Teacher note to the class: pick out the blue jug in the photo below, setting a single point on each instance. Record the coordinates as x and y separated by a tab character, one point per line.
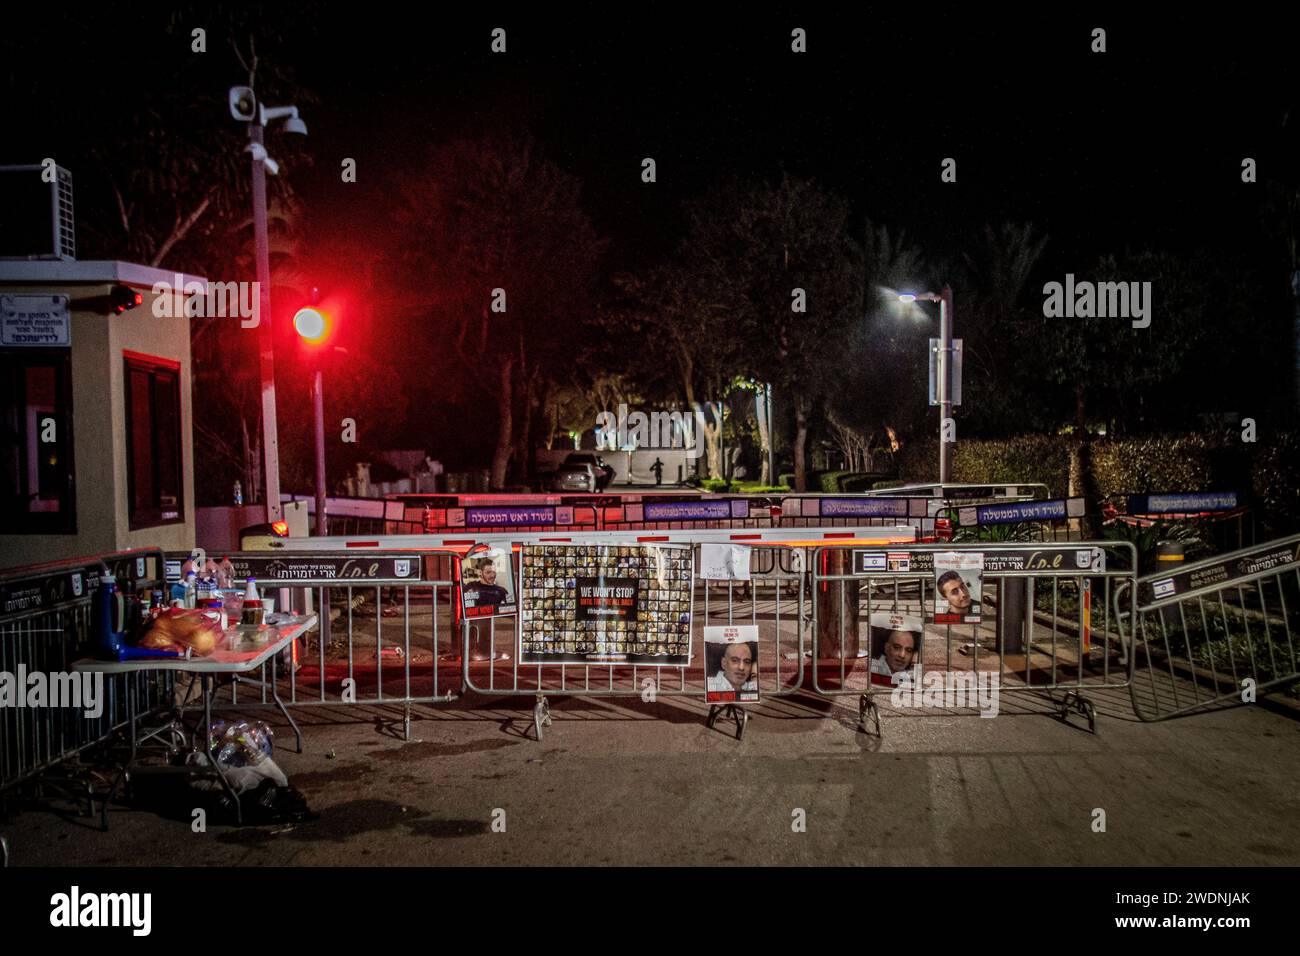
108	617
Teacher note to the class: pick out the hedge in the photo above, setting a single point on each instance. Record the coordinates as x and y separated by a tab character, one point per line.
838	482
1275	481
1041	459
1267	470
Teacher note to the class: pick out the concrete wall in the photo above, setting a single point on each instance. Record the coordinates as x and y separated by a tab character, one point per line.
142	332
99	427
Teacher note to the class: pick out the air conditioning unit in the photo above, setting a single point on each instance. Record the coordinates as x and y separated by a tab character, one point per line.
36	216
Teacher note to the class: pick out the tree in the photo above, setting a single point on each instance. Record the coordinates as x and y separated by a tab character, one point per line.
880	369
680	344
1111	367
779	263
162	177
499	240
996	304
160	166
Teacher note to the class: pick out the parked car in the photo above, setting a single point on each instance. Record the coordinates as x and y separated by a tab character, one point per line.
582	471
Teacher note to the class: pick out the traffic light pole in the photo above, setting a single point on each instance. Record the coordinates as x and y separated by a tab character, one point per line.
266	345
318	407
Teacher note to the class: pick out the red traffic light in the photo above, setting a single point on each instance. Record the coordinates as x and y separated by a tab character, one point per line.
311	324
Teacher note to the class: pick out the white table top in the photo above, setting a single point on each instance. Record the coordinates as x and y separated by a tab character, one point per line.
222	660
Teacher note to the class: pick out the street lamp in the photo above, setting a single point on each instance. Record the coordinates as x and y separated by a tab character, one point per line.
943	370
245	108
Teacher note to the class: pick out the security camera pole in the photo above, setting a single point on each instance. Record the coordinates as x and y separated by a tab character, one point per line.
244	106
266	346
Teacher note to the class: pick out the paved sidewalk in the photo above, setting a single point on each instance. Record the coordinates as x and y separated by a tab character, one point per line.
625	782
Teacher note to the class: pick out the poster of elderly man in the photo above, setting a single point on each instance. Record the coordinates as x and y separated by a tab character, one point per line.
731	664
895	648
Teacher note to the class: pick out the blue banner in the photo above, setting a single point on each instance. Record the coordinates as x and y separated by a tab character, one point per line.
864	507
520	517
688	511
1189	503
1015	511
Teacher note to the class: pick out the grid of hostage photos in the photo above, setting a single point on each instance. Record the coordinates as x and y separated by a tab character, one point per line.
586	603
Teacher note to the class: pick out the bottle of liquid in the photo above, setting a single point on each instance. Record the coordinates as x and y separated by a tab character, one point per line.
239	494
108	617
190	599
252	614
225	574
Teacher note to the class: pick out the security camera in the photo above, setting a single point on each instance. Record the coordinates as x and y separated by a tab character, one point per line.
260	154
243	104
292	124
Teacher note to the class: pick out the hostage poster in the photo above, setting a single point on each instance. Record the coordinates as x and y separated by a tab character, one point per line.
486	584
958	587
598	603
731	664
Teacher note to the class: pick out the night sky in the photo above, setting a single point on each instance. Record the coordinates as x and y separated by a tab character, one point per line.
1138	147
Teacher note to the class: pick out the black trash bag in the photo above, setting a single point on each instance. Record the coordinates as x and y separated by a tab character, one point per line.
268	803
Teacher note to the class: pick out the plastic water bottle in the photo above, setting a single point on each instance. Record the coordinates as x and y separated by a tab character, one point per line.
225	574
239	494
191	591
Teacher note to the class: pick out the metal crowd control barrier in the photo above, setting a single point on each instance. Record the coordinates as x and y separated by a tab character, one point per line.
1222	519
773	600
385	633
45	625
653	509
703	513
1218	631
920	505
1045	624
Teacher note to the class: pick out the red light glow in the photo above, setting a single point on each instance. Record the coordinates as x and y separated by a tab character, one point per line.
311	325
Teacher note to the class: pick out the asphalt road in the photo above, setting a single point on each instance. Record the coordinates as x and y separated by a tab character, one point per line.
625	782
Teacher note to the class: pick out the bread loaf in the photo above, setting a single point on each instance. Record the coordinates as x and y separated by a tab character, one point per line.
178	628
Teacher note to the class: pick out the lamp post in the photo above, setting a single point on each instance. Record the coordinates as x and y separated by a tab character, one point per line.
943	387
245	108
